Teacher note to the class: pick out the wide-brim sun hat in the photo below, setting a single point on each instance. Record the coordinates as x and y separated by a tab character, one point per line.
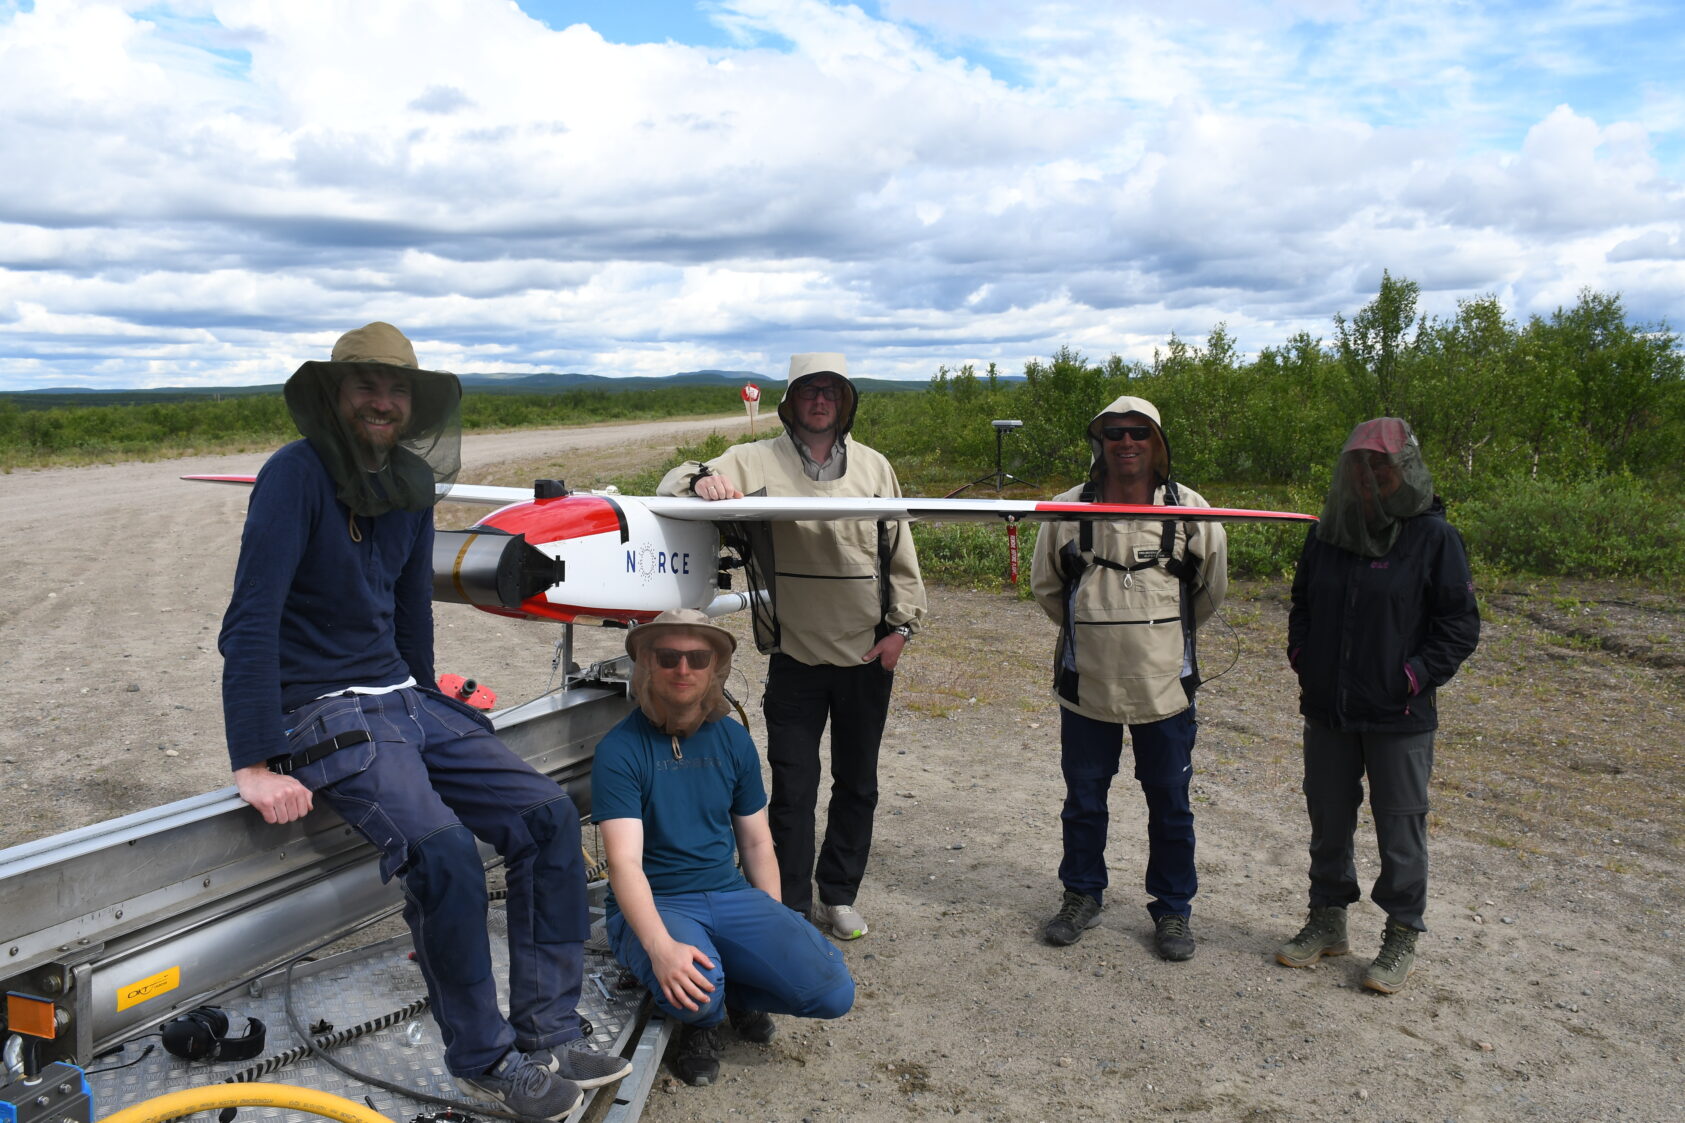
644	635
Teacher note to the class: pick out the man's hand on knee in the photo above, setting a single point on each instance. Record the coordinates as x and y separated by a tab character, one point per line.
682	984
279	799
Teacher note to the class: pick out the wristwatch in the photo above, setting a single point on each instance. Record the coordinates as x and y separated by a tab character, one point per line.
903	631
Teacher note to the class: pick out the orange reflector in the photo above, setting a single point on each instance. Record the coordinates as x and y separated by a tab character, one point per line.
28	1014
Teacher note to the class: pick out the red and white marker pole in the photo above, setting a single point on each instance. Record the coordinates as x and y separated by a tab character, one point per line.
752	402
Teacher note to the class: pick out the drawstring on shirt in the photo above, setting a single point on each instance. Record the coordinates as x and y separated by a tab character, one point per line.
351	524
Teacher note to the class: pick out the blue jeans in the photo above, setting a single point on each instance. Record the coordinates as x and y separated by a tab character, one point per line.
431	779
1089	751
765	956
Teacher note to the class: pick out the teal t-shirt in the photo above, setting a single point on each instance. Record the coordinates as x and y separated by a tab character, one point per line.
686	801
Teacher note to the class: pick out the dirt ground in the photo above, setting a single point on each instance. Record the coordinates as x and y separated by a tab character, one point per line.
1545	990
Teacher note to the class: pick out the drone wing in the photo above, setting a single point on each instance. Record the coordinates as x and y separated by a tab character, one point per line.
762	509
765	509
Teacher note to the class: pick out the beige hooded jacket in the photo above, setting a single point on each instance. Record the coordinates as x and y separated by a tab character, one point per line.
1126	639
828	593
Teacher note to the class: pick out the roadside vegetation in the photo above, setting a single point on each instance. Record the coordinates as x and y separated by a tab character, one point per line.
1558	444
67	435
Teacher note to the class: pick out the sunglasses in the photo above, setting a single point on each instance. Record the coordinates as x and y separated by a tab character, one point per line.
829	393
668	657
1133	432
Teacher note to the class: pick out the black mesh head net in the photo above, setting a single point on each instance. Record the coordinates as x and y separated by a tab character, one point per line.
1379	482
388	432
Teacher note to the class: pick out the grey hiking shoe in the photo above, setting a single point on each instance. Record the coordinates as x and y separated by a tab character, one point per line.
1324	933
1392	966
1172	938
1078	913
579	1061
524	1088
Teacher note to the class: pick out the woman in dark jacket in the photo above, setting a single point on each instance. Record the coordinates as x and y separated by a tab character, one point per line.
1383	614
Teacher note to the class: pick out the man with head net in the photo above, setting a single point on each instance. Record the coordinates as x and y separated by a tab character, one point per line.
328	692
1383	613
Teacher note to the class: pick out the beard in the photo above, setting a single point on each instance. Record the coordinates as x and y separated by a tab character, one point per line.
375	436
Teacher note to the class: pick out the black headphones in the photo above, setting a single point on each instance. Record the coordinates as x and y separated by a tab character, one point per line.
201	1034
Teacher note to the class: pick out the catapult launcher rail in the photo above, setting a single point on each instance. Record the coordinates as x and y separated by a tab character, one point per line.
110	930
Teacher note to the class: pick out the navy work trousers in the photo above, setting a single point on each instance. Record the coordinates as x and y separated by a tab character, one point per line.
1089	752
1398	766
765	956
799	700
431	779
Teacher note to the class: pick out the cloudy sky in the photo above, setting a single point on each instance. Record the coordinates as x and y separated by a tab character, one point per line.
210	191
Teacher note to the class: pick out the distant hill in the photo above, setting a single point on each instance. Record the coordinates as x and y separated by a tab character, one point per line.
471	383
556	383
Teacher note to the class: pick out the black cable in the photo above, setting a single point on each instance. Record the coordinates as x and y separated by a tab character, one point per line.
145	1053
1217	611
742	715
115	1049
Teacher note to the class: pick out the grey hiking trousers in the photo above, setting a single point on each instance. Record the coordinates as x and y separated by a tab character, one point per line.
1398	766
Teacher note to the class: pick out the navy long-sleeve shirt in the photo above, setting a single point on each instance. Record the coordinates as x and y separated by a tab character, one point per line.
314	611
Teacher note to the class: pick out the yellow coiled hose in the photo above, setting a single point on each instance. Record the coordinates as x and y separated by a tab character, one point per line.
174	1105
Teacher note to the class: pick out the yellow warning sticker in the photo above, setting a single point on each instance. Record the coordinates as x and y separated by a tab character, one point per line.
134	994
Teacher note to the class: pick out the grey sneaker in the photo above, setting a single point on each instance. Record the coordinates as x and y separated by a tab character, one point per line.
524	1088
843	921
579	1061
1077	913
1393	965
1324	933
696	1058
1172	938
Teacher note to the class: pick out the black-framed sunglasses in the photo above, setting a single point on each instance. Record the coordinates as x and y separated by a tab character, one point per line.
830	392
1133	432
668	658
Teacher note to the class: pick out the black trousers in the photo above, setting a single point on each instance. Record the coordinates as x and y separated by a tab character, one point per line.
799	700
1398	766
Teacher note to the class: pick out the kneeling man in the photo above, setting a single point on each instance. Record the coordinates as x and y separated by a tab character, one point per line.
676	793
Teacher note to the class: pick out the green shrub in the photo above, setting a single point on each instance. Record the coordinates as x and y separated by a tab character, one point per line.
1616	526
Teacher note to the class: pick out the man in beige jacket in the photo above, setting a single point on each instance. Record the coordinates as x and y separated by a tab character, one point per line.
1128	597
844	598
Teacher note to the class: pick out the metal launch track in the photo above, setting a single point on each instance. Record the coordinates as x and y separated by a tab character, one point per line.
115	928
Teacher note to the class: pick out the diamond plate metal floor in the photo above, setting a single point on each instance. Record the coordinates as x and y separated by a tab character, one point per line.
345	990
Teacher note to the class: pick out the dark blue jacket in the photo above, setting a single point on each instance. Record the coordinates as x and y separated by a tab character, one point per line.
1358	622
315	611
